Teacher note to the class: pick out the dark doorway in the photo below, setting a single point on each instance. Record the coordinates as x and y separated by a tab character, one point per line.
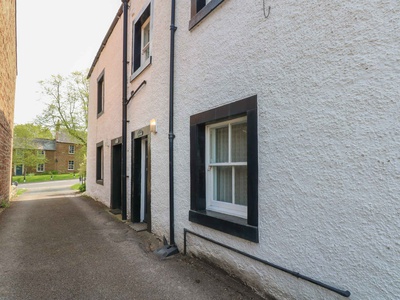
116	177
19	170
141	182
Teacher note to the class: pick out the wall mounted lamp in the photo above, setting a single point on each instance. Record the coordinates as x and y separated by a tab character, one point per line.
153	126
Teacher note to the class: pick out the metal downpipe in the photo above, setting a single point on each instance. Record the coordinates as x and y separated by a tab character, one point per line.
124	108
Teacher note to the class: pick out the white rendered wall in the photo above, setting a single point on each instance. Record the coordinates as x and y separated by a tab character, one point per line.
151	102
109	125
327	78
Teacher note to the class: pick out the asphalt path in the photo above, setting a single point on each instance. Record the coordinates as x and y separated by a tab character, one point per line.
56	244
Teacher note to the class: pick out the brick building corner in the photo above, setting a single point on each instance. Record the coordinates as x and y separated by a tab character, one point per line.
8	73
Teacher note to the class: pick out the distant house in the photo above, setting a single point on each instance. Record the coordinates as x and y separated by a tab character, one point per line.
62	155
283	158
8	73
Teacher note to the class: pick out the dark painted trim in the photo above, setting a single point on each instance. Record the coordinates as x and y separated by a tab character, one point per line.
198	15
246	229
228	224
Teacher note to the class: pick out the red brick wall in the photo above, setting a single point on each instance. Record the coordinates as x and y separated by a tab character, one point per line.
63	157
8	73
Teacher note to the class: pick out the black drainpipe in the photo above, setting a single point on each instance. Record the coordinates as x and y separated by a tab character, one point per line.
124	107
171	135
171	249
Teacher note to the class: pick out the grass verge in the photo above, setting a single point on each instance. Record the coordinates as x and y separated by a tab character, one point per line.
42	178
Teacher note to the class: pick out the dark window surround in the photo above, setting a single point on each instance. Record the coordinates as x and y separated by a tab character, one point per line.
99	162
137	66
199	10
246	229
100	94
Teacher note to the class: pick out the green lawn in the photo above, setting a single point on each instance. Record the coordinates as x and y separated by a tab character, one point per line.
41	178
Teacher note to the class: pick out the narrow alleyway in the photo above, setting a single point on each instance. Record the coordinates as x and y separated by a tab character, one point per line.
55	245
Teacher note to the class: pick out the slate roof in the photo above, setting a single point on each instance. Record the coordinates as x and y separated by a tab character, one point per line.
39	144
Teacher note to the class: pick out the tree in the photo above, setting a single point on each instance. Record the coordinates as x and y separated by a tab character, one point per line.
67	99
31	131
27	151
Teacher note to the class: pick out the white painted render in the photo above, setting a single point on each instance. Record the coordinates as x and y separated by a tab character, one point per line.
107	126
327	80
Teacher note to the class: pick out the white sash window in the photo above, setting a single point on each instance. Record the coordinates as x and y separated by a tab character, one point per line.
226	167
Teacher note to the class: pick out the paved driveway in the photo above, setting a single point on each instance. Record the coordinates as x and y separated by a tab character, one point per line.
55	244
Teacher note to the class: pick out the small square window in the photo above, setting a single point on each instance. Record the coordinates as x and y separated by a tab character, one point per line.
71	165
71	149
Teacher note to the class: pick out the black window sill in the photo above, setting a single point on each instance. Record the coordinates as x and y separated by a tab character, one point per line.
100	181
228	224
204	12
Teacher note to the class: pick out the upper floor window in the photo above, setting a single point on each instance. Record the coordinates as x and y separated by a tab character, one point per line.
100	94
200	9
141	47
41	153
71	149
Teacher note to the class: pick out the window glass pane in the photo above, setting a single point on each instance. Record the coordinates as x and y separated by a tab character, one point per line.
146	34
239	142
145	41
241	185
219	145
223	184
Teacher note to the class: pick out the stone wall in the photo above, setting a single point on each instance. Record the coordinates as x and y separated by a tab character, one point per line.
8	72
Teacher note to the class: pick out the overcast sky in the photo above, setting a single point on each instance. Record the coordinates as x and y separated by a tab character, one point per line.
56	37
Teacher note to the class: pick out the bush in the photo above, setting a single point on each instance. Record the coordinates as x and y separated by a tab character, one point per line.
82	187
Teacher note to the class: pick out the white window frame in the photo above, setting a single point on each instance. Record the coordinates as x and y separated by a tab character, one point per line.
144	63
146	47
73	149
38	169
73	165
219	206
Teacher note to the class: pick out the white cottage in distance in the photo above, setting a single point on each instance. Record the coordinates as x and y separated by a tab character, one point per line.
279	160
